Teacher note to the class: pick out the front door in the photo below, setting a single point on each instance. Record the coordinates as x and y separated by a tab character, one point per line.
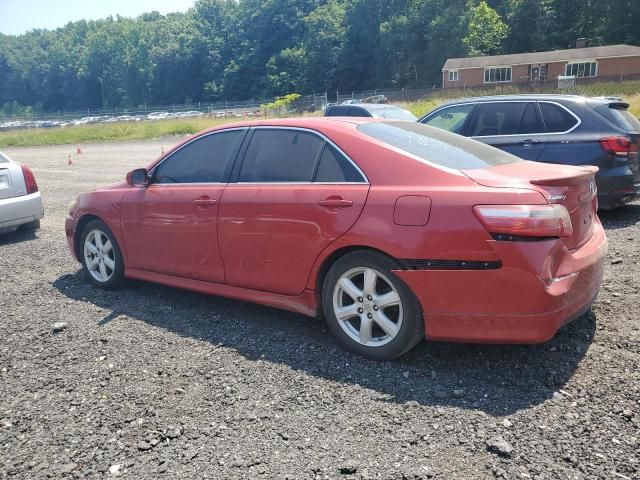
296	193
170	227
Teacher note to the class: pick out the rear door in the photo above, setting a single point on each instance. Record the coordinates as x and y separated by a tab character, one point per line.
295	194
11	179
515	127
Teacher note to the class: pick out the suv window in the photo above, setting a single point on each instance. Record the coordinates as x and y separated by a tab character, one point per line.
499	118
205	160
450	119
437	146
359	112
556	119
280	155
335	167
336	112
530	122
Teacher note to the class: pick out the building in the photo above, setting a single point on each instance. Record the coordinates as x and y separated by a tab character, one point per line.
606	61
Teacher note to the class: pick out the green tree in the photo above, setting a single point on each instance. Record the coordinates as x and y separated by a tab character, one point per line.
485	30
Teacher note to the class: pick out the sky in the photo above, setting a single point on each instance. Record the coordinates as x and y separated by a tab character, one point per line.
19	16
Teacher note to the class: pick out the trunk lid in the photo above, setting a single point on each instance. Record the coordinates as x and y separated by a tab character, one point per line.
572	187
11	179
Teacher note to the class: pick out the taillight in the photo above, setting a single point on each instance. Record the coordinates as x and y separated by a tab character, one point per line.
29	180
525	220
619	146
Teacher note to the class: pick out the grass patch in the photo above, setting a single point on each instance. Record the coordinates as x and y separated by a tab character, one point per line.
104	132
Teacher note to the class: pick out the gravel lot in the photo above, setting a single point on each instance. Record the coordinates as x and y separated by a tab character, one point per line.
151	382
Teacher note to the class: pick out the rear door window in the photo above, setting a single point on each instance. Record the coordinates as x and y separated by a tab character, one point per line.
437	146
556	118
530	122
207	159
499	118
451	119
280	155
335	167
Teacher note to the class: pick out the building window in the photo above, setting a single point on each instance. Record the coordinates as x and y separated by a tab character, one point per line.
497	74
453	75
581	69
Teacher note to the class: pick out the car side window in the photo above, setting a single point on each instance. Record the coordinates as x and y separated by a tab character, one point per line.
359	112
499	118
556	119
450	119
280	155
205	160
530	122
335	167
336	112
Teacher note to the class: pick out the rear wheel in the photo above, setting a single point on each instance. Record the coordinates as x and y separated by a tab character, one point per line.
369	309
101	256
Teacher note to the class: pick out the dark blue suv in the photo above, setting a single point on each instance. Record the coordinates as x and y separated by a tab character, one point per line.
567	129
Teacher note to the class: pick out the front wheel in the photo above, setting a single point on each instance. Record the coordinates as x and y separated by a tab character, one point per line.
369	309
101	256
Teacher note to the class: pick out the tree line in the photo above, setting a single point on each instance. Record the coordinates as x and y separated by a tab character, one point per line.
241	49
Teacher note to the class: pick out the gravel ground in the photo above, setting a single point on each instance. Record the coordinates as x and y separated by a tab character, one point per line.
151	382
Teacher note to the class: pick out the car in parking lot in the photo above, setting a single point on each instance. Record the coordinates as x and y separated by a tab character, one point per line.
566	129
390	112
20	199
458	241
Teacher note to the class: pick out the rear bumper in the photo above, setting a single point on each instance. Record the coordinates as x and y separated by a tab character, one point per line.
617	190
540	287
17	211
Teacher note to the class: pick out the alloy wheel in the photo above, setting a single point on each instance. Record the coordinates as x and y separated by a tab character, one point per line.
367	306
99	255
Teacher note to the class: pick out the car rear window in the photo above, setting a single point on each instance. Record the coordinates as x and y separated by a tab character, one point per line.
3	159
620	116
437	146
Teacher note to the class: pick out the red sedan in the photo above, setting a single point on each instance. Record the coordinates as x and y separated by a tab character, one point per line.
395	231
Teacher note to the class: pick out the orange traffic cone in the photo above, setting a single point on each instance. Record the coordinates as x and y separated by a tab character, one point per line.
70	162
78	151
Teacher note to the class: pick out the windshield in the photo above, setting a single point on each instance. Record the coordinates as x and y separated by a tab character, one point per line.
437	146
393	113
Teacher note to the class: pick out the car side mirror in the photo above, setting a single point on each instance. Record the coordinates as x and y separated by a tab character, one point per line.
138	177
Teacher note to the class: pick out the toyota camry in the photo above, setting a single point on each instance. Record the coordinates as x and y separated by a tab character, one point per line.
392	231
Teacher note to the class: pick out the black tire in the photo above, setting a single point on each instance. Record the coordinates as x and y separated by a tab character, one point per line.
117	274
411	330
31	226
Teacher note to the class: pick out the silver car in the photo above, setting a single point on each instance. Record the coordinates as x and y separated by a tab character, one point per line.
20	200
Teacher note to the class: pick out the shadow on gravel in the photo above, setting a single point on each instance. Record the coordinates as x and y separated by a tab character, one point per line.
496	379
620	217
18	236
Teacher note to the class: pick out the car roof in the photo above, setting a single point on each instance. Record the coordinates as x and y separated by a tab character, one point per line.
521	97
313	123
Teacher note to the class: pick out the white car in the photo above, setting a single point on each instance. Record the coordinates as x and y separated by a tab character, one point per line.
20	200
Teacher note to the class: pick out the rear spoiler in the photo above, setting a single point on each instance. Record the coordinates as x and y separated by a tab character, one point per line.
572	178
